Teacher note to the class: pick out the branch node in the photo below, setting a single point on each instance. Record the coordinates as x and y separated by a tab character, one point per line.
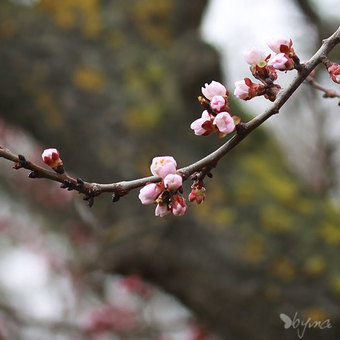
33	174
195	176
80	183
115	197
67	184
60	169
22	161
241	129
90	201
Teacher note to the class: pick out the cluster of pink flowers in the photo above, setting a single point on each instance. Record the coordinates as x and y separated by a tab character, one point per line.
168	193
264	69
285	57
216	116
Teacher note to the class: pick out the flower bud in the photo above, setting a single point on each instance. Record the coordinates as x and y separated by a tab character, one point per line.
149	193
213	89
245	89
178	206
334	72
173	182
279	61
241	90
162	166
217	103
52	159
224	122
282	62
281	45
197	193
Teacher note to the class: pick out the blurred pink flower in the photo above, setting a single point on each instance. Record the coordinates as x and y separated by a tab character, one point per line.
334	72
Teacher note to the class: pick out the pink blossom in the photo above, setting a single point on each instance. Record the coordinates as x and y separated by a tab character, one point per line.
217	103
162	166
173	182
224	122
255	57
213	89
241	89
279	61
178	207
334	71
149	193
51	158
162	210
280	44
202	126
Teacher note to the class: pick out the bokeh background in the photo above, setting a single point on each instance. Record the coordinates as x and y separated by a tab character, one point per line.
113	83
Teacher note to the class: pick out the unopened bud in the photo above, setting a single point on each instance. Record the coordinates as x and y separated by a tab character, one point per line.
52	159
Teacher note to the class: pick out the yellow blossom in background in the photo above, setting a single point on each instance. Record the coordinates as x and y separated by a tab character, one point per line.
89	79
282	269
330	233
70	14
314	265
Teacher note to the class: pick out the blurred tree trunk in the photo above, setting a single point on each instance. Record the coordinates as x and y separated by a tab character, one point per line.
234	300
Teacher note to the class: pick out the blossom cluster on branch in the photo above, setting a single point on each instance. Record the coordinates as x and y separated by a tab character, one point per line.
265	70
216	116
165	187
168	193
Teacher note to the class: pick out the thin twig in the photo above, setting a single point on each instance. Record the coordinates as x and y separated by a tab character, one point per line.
328	93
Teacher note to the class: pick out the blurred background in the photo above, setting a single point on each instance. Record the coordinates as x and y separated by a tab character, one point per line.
113	83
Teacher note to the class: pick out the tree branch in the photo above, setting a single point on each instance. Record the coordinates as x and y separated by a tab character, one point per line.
328	93
204	165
